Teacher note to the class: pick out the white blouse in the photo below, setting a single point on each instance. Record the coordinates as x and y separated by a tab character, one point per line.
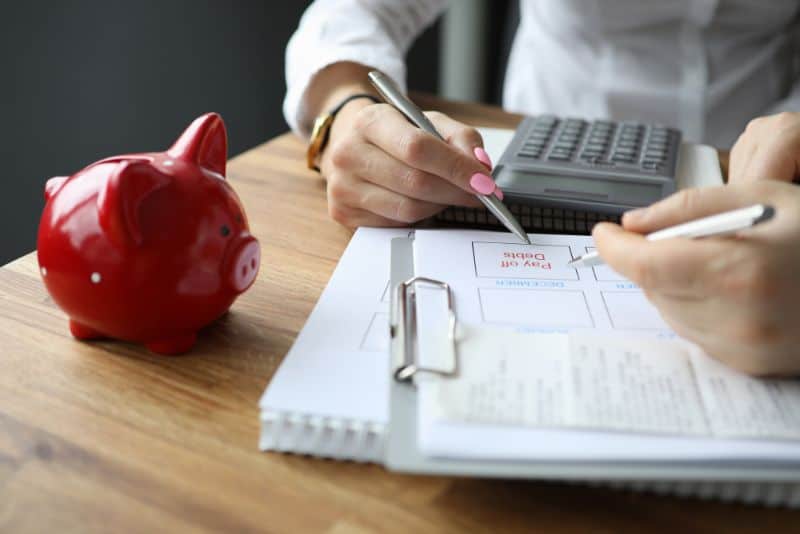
705	66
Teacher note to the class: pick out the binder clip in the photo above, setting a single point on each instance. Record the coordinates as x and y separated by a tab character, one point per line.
403	329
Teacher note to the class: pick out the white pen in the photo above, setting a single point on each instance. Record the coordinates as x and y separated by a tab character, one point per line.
728	222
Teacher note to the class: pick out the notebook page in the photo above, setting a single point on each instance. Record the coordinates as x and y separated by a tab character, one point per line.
500	281
639	382
339	366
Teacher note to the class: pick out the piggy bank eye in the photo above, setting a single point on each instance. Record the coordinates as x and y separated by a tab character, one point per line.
225	231
239	219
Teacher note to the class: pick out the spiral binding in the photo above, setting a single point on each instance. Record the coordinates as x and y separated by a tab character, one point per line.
326	437
358	441
533	218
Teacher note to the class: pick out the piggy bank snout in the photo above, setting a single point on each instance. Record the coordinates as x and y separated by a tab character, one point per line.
243	262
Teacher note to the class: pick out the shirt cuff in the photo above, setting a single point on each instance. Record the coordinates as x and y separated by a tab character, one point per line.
295	109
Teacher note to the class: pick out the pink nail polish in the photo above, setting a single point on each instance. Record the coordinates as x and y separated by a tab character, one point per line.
498	193
483	157
482	183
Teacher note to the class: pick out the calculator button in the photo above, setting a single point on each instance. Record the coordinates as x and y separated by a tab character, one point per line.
655	154
535	145
558	157
575	123
651	165
596	145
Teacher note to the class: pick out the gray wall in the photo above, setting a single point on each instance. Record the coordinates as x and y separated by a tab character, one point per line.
92	78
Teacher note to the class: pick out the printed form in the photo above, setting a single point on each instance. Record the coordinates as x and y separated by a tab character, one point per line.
546	346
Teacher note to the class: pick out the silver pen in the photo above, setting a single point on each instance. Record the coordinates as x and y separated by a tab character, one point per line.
393	96
728	222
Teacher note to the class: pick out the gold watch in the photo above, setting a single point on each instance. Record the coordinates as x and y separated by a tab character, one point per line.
322	127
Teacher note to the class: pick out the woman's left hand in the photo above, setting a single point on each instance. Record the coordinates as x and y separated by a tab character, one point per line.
738	297
768	149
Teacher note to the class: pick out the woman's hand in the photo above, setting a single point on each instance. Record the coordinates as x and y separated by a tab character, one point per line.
738	297
383	171
768	149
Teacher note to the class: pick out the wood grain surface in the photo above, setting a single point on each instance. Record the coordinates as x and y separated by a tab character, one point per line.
105	437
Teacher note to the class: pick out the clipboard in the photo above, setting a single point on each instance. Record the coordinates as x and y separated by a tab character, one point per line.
773	485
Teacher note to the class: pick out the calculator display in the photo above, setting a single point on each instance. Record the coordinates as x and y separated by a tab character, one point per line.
587	189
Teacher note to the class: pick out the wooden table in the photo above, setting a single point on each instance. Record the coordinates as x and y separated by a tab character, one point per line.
106	437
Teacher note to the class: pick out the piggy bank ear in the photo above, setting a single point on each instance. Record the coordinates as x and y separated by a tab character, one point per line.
53	185
204	142
121	202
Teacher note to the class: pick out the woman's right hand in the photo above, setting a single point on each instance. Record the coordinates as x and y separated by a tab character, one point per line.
383	171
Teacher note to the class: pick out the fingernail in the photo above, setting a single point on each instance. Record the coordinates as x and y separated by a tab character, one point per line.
498	193
483	157
634	215
482	183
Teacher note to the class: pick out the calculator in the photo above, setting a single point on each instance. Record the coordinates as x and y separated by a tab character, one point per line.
600	166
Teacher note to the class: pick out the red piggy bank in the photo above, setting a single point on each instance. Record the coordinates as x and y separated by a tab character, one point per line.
148	248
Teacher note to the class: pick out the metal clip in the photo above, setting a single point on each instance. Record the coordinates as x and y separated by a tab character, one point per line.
403	323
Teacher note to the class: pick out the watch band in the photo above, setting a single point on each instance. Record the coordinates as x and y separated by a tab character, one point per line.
322	127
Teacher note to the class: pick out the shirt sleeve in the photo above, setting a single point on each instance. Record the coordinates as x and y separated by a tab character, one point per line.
375	33
790	102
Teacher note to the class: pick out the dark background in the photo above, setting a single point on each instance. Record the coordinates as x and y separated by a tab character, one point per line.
89	79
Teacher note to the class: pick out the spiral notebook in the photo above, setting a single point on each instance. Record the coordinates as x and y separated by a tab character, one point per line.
329	397
569	377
